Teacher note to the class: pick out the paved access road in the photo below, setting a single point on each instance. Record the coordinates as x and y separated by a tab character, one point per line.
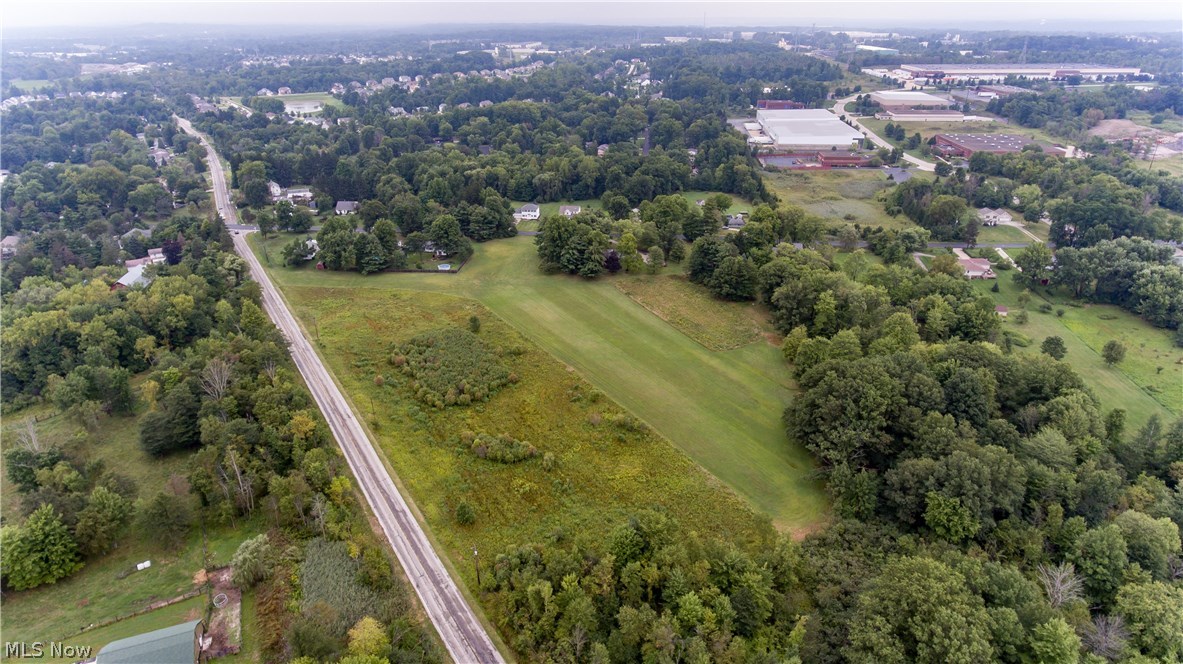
839	109
463	635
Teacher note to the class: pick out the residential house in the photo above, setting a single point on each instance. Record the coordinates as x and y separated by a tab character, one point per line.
10	242
264	92
485	103
1001	310
179	644
345	207
735	222
528	211
990	217
155	257
285	90
274	190
976	268
135	277
602	150
570	210
160	156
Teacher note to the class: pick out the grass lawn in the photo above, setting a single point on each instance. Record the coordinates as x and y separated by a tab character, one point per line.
1172	165
30	84
1172	124
323	97
835	194
190	609
1135	384
696	313
1002	234
109	587
250	633
721	408
737	204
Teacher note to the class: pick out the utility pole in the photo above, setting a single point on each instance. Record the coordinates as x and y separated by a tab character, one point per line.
477	564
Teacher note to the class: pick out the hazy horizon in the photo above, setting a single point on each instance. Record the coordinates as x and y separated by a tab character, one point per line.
885	14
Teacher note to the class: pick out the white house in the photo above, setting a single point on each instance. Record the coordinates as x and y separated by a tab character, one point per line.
528	211
570	210
991	217
976	268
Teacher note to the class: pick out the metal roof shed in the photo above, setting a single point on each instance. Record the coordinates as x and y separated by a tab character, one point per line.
179	644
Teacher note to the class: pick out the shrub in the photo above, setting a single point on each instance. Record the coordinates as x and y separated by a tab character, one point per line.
1059	313
502	449
252	561
449	363
465	514
1045	307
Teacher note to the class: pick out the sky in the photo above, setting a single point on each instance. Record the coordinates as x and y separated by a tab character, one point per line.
1036	16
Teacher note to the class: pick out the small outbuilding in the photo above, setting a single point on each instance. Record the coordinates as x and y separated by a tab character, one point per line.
179	644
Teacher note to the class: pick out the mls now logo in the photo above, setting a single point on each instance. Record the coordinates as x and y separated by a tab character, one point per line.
38	649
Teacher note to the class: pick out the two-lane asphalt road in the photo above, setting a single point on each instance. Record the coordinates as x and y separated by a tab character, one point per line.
839	109
463	635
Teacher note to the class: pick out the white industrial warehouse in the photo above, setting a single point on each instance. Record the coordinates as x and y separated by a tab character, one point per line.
807	129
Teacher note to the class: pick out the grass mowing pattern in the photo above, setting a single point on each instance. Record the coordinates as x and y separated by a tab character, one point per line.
450	366
604	465
695	312
721	408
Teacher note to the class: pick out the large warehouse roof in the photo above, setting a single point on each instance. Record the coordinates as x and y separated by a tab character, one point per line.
907	98
807	127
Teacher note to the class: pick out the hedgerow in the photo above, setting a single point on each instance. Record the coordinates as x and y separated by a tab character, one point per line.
450	366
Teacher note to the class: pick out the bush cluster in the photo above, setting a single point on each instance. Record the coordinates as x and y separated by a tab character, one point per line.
450	366
502	449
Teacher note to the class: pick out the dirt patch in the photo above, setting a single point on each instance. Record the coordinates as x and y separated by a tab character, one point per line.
1124	129
225	624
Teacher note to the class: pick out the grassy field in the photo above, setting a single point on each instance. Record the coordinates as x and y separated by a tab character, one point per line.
1172	124
110	587
602	467
929	129
323	97
737	204
30	84
1003	234
190	609
1135	384
116	445
835	194
721	408
1172	165
696	313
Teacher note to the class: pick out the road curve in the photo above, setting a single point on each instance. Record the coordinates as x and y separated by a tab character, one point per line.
462	634
839	109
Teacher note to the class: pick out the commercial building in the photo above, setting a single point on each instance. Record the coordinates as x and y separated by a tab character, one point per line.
964	145
910	115
877	50
998	72
807	129
778	104
894	100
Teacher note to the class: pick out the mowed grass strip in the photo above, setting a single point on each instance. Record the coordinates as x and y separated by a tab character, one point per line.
603	463
723	409
694	312
1135	384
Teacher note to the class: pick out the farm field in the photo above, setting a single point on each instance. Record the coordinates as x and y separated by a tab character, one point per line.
1135	384
721	408
835	194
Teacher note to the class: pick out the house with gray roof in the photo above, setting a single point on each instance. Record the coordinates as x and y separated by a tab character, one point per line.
346	207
